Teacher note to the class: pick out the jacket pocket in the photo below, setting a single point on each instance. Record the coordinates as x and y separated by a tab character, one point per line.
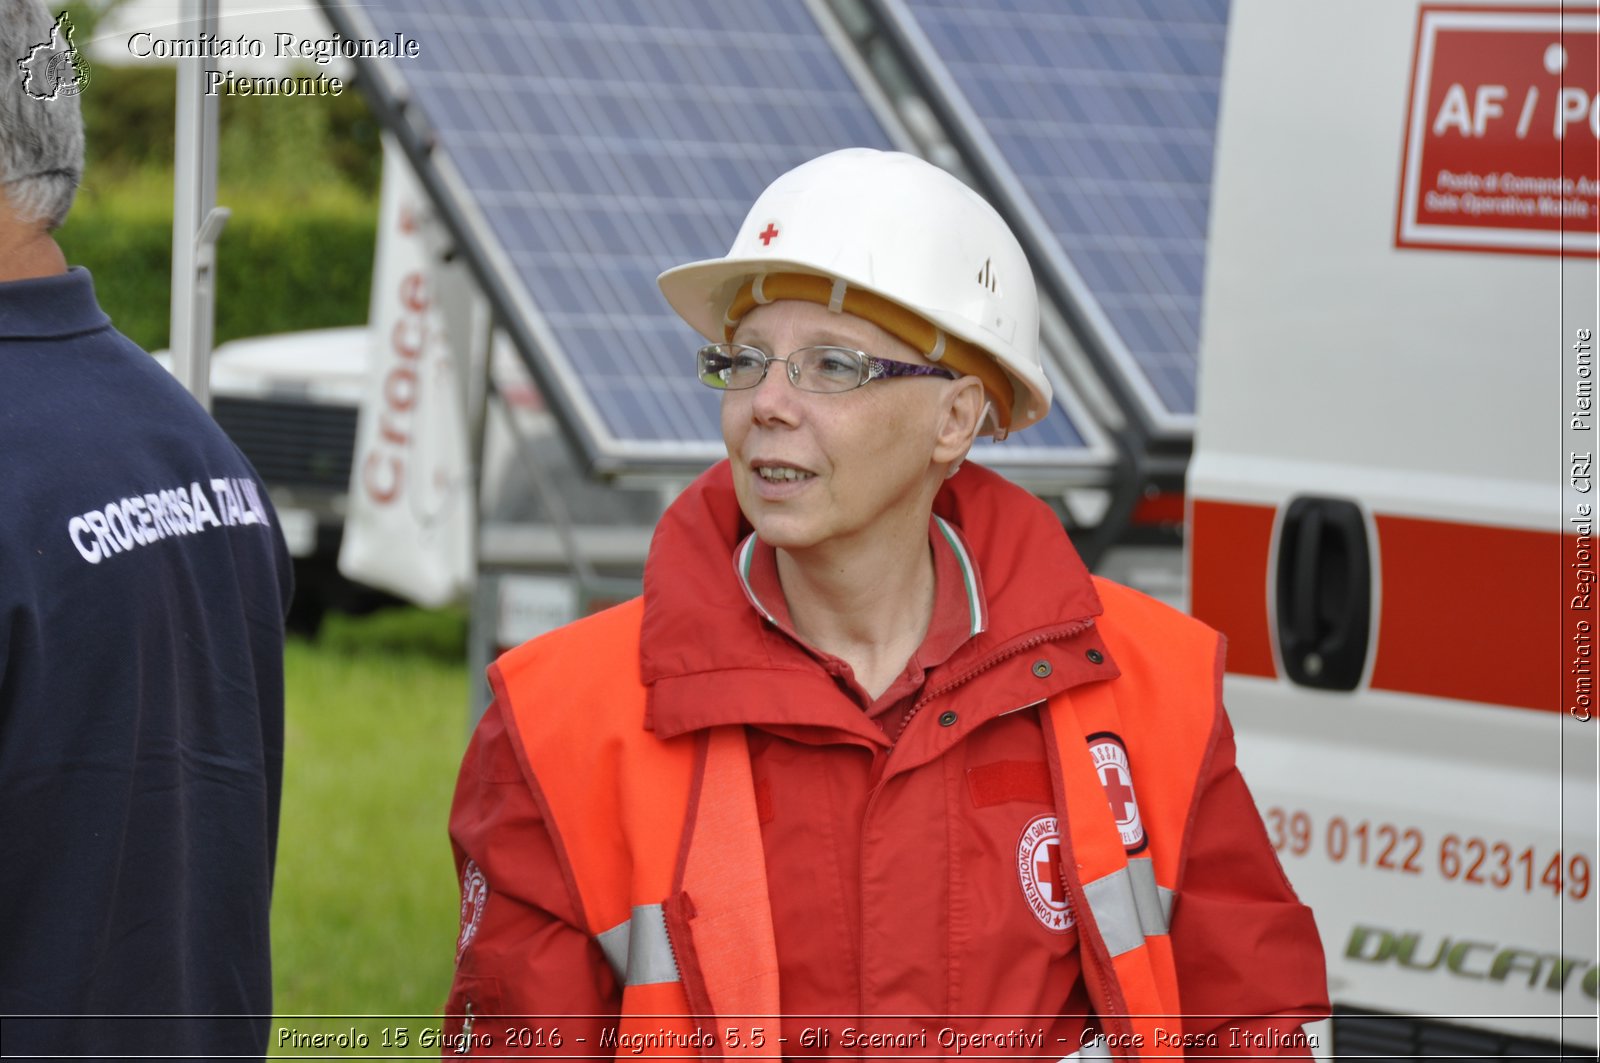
469	1026
1002	781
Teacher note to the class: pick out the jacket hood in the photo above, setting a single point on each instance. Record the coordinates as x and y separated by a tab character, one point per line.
697	619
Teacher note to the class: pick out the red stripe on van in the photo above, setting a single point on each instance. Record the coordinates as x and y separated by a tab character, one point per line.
1229	543
1162	507
1471	612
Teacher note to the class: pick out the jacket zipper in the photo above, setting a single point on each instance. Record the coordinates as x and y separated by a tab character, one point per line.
989	662
1002	654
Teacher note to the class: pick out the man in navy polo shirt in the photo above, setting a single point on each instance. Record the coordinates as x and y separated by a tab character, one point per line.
143	586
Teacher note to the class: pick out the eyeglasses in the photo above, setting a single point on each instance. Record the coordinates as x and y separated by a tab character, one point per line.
735	367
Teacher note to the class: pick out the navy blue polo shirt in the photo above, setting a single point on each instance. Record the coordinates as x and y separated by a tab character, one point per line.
143	587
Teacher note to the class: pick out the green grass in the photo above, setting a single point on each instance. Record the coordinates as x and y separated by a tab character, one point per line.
365	903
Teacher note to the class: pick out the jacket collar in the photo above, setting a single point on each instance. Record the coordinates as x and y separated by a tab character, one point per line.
709	658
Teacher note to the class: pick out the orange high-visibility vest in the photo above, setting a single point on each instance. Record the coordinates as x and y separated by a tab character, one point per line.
665	850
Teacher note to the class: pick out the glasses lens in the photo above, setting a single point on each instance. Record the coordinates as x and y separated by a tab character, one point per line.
828	368
715	365
729	366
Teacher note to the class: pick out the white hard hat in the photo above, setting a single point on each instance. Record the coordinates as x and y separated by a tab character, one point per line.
856	228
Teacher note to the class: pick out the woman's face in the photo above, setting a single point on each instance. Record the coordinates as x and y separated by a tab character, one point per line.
865	458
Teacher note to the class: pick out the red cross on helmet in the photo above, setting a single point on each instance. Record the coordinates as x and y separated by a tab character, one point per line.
876	234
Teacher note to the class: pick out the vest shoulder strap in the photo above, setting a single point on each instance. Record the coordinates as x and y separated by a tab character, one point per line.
1129	753
614	792
619	798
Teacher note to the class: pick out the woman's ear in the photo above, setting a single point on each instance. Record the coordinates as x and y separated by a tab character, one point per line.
961	416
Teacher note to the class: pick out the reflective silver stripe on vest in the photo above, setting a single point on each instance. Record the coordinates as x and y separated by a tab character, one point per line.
638	949
1129	906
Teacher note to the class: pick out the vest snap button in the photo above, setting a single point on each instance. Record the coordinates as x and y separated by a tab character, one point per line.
1041	668
1095	656
947	718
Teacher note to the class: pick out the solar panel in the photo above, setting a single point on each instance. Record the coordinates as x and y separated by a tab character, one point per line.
589	144
1096	120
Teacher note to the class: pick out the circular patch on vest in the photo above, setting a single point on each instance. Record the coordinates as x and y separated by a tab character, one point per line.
1111	764
474	895
1039	870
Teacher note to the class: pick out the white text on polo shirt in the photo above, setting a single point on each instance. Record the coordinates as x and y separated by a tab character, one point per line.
140	520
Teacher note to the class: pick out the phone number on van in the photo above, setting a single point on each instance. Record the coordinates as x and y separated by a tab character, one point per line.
1472	861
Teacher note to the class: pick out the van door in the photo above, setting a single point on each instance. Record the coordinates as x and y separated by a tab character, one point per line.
1390	499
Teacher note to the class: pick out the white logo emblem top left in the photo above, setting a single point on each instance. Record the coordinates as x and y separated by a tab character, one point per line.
54	67
1039	872
474	896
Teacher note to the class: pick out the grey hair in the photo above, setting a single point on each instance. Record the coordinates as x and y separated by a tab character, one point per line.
41	141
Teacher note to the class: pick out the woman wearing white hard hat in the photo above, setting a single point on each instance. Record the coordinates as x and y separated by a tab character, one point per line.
874	766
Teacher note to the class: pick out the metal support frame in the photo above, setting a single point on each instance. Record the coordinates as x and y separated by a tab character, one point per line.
196	219
493	566
391	103
1139	465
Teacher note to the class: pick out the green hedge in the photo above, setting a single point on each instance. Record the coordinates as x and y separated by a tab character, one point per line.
300	175
282	264
128	114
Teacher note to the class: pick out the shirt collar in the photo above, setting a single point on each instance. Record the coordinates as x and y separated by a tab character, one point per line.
53	307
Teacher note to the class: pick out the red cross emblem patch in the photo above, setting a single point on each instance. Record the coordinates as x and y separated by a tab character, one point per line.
474	895
1039	871
1111	764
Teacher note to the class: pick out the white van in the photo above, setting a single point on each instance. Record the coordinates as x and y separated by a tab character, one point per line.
1391	504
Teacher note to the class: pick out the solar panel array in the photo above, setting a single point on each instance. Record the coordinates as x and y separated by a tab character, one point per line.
1104	114
601	141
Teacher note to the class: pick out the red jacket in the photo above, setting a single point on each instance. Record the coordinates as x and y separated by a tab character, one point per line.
885	908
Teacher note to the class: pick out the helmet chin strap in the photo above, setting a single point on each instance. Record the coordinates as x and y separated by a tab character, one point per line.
1000	430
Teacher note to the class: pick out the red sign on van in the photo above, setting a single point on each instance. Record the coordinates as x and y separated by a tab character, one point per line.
1503	135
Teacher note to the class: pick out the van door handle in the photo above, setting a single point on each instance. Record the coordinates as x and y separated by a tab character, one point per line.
1324	593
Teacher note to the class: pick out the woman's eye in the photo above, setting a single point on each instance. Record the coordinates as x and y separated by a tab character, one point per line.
837	365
